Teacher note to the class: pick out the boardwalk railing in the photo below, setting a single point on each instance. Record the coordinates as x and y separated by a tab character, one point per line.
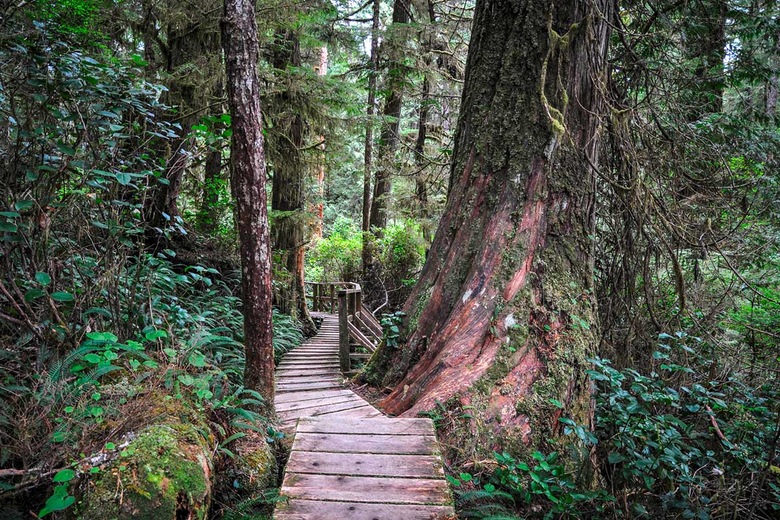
357	325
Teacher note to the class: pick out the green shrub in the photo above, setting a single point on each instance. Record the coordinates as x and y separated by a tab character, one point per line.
688	438
336	257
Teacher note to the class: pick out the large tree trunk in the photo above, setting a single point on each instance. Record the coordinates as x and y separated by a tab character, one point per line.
370	111
503	318
421	178
319	205
388	139
239	37
289	180
373	287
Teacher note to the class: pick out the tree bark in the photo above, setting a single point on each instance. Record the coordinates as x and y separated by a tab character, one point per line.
319	206
421	178
239	36
370	111
391	115
503	317
288	200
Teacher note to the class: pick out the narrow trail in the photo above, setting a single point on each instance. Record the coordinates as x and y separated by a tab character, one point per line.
349	461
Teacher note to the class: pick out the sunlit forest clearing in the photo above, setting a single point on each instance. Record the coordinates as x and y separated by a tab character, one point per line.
396	260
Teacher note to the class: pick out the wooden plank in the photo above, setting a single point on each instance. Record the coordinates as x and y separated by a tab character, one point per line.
371	321
310	353
368	412
297	509
297	362
386	426
311	403
366	443
309	379
288	387
359	337
314	394
367	465
304	372
350	406
366	489
302	365
310	357
369	332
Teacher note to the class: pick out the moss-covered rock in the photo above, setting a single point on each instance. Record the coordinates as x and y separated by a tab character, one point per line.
255	467
164	473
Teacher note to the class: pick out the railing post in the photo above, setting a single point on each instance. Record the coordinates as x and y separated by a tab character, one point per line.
359	304
332	298
343	332
317	291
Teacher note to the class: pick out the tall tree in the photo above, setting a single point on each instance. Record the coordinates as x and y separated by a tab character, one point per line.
248	179
290	171
503	317
388	143
370	111
391	114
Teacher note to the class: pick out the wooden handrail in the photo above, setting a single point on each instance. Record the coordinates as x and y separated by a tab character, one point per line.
356	323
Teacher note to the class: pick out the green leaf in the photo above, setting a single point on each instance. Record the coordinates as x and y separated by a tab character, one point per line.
24	205
186	379
33	294
62	296
615	457
66	149
138	60
155	335
102	336
93	358
65	475
43	278
8	227
58	501
197	360
123	178
97	310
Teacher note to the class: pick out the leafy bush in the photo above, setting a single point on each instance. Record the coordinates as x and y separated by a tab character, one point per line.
690	438
687	439
337	257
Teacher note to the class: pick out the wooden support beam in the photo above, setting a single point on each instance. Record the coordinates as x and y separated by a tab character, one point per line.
343	332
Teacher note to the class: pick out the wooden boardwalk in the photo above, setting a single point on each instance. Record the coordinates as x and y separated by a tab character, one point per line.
348	461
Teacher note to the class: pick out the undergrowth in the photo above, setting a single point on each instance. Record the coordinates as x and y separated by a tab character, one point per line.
687	438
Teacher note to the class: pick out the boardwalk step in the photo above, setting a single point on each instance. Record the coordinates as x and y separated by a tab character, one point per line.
348	461
307	509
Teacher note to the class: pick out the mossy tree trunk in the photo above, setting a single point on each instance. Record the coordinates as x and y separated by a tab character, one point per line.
248	180
290	169
370	111
391	113
388	144
503	317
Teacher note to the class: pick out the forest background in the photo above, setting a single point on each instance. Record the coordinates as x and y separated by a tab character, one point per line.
121	316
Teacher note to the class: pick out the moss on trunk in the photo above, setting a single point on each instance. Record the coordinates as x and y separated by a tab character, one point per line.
503	319
164	473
